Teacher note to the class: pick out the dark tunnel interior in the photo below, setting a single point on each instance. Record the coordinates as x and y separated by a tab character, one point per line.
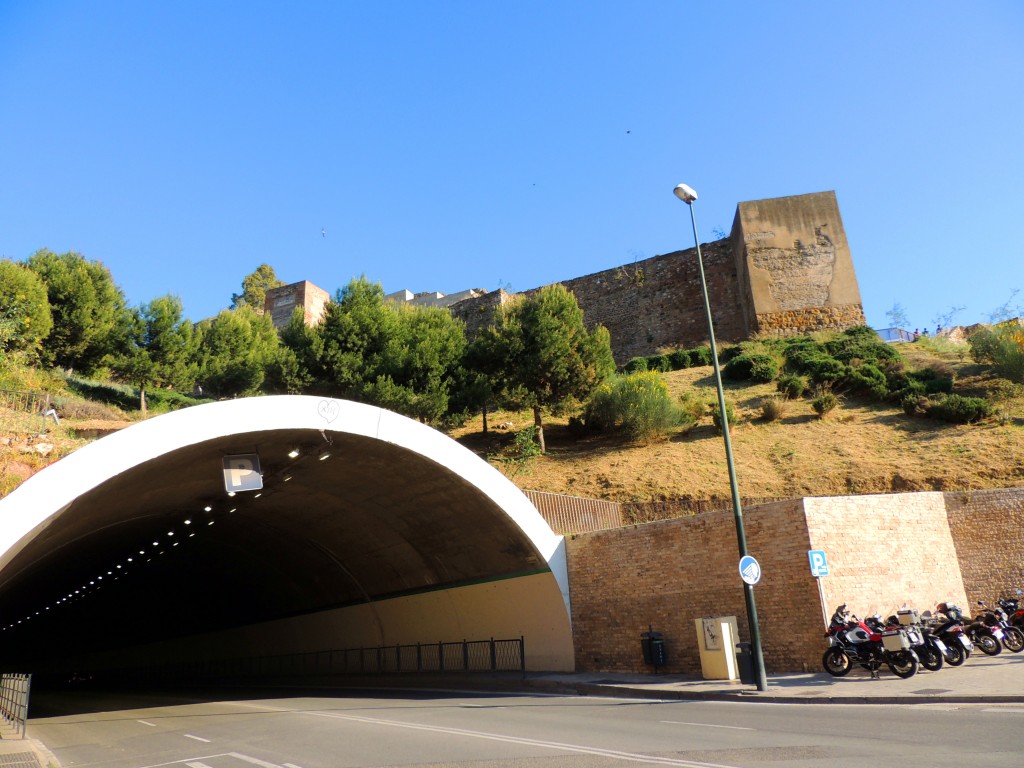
162	551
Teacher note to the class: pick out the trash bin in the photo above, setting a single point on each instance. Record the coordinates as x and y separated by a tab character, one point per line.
745	663
653	646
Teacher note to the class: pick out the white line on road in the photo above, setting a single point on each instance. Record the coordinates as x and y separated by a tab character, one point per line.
290	765
197	738
1014	710
707	725
197	765
254	760
630	756
151	725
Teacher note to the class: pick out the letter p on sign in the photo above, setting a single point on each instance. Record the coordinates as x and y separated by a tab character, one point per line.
242	473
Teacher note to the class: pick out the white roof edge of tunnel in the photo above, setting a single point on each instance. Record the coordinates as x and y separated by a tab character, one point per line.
53	488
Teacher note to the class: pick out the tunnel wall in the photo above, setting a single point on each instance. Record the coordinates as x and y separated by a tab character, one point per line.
494	609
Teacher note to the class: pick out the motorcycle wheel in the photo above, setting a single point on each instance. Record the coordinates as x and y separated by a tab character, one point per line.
930	658
836	662
988	644
955	654
1013	639
903	664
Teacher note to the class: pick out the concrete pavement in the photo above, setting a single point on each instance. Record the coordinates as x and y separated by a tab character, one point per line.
981	679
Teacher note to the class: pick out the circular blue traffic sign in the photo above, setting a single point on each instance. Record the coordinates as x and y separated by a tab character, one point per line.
750	570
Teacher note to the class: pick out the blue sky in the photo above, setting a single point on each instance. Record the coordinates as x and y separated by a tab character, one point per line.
449	145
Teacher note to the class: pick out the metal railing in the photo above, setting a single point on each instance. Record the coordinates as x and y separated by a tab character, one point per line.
464	656
25	412
14	692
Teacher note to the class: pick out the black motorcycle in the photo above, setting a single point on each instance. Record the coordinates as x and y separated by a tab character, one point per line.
1013	637
988	639
951	632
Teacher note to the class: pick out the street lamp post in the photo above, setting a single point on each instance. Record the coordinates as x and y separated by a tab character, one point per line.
687	195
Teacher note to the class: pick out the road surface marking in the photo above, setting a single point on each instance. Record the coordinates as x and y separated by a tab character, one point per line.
151	725
629	756
1015	710
197	765
290	765
254	760
197	738
707	725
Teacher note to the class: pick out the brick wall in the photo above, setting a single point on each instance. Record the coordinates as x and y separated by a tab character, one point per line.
885	551
988	532
669	573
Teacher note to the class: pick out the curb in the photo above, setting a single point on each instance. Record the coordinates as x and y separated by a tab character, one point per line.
750	696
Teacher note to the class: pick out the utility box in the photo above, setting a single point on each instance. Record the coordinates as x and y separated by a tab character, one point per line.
716	640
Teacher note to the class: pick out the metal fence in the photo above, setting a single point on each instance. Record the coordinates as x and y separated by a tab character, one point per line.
464	656
25	412
14	691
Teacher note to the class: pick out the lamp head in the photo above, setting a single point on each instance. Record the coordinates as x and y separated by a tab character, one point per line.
685	193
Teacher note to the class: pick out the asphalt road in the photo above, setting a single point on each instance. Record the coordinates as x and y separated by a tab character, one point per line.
473	730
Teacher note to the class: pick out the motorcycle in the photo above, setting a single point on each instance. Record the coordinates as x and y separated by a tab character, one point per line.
851	641
1013	637
1011	606
988	639
930	650
951	633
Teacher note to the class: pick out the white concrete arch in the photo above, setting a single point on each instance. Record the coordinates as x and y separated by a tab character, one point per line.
40	502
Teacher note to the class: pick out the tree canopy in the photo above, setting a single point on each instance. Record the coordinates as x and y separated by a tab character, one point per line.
540	355
236	348
254	289
25	318
87	308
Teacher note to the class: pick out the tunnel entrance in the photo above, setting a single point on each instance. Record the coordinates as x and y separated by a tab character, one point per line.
369	530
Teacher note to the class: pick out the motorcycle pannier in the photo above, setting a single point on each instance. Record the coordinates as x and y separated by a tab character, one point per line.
908	617
895	641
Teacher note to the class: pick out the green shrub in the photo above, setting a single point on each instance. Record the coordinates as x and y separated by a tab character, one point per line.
637	404
915	405
793	385
730	352
659	363
935	379
825	402
960	410
679	359
751	366
773	408
716	415
700	356
636	365
693	406
1002	347
867	379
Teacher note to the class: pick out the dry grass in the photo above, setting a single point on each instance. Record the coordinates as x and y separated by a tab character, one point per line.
861	447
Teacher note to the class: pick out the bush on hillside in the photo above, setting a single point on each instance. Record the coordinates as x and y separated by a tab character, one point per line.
637	404
773	407
636	365
793	385
730	415
679	359
960	410
824	402
659	363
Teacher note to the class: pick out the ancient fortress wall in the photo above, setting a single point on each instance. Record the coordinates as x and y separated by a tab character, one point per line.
785	269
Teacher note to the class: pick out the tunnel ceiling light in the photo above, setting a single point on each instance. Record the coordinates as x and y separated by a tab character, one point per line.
129	559
233	509
293	453
231	493
170	533
207	509
188	522
287	478
119	566
177	543
257	495
324	455
156	543
211	522
191	535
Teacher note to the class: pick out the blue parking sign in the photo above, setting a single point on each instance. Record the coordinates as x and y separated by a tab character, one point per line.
819	565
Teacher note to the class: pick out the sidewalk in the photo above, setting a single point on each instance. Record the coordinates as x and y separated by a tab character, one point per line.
981	679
